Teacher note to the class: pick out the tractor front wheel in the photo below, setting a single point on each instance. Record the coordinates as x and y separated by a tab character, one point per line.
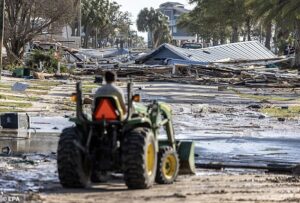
139	158
167	166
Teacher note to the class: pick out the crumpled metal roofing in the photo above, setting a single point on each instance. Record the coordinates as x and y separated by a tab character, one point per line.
105	53
250	51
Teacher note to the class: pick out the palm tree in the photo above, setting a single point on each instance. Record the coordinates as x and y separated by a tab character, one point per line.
287	11
94	15
154	22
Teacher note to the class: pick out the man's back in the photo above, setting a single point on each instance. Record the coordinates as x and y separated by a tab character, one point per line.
111	89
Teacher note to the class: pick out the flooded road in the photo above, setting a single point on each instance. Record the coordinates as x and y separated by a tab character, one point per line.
32	165
224	129
248	151
38	143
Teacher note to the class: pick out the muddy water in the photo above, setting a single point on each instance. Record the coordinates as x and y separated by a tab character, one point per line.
31	166
220	137
251	151
38	143
44	136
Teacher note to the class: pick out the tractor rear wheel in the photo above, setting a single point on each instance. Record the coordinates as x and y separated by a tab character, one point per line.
139	158
74	169
167	166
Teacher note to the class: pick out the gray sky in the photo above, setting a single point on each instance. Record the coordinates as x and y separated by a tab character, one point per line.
134	6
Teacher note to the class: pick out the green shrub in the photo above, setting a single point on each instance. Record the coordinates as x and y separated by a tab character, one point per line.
48	59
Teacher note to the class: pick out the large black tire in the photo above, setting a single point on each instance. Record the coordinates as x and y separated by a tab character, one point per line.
167	166
74	169
139	158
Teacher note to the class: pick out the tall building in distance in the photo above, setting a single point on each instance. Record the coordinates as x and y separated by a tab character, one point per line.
173	10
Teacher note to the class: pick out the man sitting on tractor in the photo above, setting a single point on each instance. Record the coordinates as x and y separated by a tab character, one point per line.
111	89
103	142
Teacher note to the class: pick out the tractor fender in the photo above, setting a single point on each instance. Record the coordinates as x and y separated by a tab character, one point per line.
140	122
137	122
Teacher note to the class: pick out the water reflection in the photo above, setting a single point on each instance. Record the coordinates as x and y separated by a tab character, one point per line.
38	143
248	150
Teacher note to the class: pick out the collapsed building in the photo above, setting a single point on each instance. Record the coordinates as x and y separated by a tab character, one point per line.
168	54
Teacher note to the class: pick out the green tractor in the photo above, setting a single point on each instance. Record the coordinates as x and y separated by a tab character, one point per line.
107	142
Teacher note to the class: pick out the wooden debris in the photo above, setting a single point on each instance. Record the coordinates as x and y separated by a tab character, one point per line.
250	76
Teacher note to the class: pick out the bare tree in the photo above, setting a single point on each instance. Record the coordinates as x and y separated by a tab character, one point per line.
26	19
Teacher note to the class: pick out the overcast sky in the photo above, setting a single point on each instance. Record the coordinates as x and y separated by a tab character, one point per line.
134	6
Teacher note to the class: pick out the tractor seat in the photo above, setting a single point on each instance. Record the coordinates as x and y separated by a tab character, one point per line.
107	108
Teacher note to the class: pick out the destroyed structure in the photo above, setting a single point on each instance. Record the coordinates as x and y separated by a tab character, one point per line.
242	51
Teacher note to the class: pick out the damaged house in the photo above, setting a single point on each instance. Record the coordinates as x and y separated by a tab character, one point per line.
168	54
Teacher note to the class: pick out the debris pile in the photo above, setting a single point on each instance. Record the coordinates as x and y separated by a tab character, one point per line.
235	52
243	63
251	76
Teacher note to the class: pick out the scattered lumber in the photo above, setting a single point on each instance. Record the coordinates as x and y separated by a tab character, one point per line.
213	74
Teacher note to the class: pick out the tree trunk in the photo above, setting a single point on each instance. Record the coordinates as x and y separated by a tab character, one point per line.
153	40
15	51
248	29
235	34
73	28
215	41
276	39
86	37
297	46
207	42
223	37
222	40
260	34
268	35
96	39
198	38
156	38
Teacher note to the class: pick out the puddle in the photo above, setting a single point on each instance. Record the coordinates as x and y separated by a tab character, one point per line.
38	143
49	124
44	136
252	151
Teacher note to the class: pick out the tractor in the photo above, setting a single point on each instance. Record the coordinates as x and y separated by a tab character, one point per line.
106	141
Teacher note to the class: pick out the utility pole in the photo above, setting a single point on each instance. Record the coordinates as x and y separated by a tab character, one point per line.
2	11
79	22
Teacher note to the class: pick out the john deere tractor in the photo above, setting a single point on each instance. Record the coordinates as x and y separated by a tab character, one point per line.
109	142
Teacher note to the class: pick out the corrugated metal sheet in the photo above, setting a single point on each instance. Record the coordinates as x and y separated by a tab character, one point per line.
250	51
105	53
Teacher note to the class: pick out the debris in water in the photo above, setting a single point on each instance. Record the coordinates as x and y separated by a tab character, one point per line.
6	150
